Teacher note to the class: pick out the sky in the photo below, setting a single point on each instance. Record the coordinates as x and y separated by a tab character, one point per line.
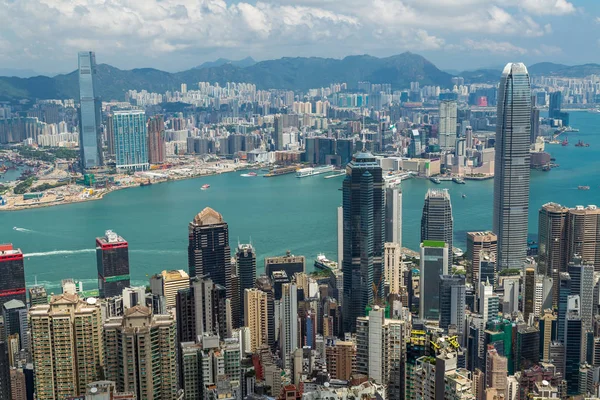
174	35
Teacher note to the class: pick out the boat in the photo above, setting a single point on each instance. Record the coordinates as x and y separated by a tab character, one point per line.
583	187
458	180
205	186
565	142
310	171
546	168
280	171
323	264
147	183
249	174
582	144
336	175
464	196
435	180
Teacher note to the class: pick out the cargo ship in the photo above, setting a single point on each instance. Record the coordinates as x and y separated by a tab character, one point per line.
280	171
304	172
582	144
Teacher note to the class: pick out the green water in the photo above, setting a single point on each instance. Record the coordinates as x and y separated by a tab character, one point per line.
277	213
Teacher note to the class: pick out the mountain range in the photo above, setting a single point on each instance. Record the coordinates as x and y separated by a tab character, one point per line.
299	73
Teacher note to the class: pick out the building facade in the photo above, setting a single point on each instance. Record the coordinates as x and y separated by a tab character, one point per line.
112	261
437	222
131	140
12	270
90	115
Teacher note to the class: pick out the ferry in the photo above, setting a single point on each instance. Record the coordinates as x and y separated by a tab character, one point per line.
435	180
310	171
280	171
458	180
583	187
205	186
249	174
323	264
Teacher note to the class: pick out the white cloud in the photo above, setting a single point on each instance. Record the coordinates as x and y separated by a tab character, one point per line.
547	7
494	47
547	50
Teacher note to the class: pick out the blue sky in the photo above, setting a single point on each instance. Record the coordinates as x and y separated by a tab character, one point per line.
45	35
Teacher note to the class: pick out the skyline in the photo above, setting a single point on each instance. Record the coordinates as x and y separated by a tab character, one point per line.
178	35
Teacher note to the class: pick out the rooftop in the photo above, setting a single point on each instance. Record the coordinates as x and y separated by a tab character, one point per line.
433	243
208	216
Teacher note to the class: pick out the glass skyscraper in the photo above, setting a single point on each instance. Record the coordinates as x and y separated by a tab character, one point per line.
131	139
364	236
90	115
437	222
511	181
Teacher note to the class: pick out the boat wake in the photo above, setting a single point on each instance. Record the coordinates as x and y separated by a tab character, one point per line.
59	253
16	228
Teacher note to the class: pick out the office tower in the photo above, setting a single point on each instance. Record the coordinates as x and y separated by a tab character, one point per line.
573	338
555	105
288	317
209	254
264	284
469	137
393	215
434	264
487	268
582	284
112	260
437	222
156	140
140	353
110	135
452	303
511	179
168	283
496	371
12	271
583	233
339	358
511	291
364	233
476	243
563	296
527	352
67	346
256	317
14	314
488	302
278	133
381	349
535	124
245	258
131	140
201	308
447	128
340	235
90	114
552	247
392	266
37	295
529	280
289	263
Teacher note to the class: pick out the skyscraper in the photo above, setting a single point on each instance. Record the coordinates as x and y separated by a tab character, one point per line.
156	139
434	264
112	259
555	105
131	139
529	280
436	222
278	133
264	284
12	271
553	243
140	351
393	215
246	270
476	243
511	180
256	313
452	303
67	346
209	254
447	128
392	266
364	236
583	235
582	284
288	316
90	115
573	339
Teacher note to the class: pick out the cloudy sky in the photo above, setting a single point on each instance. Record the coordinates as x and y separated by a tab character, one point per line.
44	35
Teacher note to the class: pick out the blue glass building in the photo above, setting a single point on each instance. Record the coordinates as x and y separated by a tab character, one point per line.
131	139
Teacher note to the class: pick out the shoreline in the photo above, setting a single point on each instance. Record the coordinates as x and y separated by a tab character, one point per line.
56	203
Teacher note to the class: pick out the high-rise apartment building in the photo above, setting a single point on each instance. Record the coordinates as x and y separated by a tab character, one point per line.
131	140
168	283
67	346
447	127
364	236
256	317
437	222
140	353
496	371
12	270
90	114
288	317
511	179
110	135
393	215
476	243
37	295
392	266
156	139
112	260
434	264
339	357
264	284
245	258
209	254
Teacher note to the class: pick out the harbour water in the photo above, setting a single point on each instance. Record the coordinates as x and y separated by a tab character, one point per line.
277	214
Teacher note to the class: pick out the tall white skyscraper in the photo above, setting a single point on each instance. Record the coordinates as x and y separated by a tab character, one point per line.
511	180
447	128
